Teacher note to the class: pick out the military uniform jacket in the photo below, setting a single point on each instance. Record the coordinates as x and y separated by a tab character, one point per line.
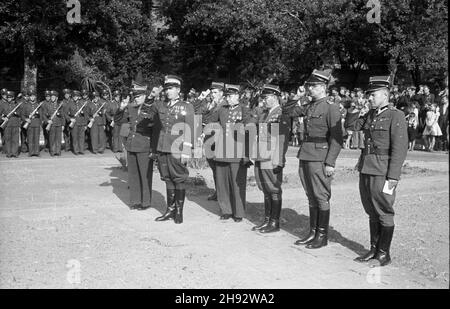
111	108
323	131
227	116
28	108
81	119
140	137
66	107
49	108
206	113
386	142
16	118
93	107
178	116
271	143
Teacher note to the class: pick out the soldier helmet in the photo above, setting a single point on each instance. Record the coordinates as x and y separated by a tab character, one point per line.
84	92
54	93
3	91
31	92
47	93
66	91
10	94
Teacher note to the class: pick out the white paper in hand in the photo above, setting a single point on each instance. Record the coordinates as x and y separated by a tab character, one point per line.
386	189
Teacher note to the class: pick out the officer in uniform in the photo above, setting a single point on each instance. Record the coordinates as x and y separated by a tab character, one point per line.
206	108
34	123
12	128
272	143
79	122
67	101
23	132
231	168
174	119
138	145
317	154
46	140
380	163
87	136
113	128
3	100
97	130
54	116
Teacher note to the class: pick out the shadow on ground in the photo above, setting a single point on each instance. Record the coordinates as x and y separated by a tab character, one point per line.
291	221
119	183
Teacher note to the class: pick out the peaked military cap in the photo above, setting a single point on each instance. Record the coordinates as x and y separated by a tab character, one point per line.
47	93
76	93
31	92
271	89
217	85
105	91
10	93
84	92
116	92
66	91
54	92
378	82
319	77
3	91
172	81
232	89
138	82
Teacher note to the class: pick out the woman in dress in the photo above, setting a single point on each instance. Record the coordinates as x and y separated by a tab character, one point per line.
432	128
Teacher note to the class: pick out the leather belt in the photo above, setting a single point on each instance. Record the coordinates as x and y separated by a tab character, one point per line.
377	151
313	139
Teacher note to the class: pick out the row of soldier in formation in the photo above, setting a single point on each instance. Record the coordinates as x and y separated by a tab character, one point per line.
77	120
157	131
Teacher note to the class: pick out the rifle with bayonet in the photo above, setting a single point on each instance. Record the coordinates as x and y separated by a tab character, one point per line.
32	114
72	122
3	125
91	123
49	125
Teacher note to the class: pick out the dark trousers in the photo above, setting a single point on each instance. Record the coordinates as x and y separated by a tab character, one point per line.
98	138
11	137
33	135
212	165
172	171
55	136
140	177
67	141
46	139
377	205
267	181
23	140
316	184
78	136
114	139
231	182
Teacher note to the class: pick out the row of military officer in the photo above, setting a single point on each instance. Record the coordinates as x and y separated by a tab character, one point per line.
152	135
76	120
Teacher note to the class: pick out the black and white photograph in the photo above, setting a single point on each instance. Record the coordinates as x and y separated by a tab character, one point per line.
242	147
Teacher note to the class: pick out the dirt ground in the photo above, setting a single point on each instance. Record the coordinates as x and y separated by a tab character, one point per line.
65	223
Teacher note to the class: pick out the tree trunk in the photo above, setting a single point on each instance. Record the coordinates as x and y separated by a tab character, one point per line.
30	68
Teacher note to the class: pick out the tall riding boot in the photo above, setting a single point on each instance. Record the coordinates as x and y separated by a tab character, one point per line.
321	238
170	212
313	215
374	237
179	204
267	208
384	245
274	221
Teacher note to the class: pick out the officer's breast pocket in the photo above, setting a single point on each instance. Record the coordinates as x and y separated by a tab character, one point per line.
381	129
317	119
